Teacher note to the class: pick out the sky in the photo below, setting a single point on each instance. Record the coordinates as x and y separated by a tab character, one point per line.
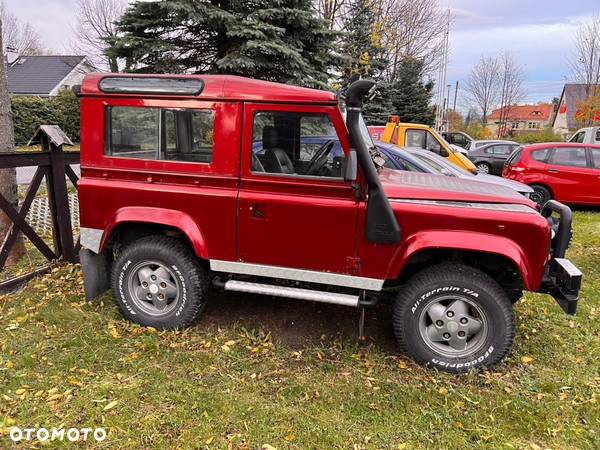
538	33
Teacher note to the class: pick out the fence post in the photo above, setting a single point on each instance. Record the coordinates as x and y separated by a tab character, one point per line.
52	139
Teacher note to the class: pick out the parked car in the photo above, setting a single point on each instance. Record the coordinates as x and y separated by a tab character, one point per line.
457	138
173	202
418	160
588	135
440	165
473	145
490	158
423	136
567	172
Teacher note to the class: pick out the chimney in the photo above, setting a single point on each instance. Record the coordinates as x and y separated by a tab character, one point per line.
11	55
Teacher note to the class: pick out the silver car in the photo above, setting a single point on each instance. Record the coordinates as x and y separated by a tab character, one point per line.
440	165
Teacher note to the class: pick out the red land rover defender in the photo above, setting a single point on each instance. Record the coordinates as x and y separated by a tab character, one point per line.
193	182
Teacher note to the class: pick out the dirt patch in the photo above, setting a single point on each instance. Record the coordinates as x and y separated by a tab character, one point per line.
296	322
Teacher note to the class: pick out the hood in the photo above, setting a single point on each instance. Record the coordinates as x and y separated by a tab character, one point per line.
512	184
425	186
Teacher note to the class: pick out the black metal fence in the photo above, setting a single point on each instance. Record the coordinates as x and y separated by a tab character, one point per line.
53	165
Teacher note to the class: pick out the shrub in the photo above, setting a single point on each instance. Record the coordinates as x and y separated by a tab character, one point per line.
31	112
546	135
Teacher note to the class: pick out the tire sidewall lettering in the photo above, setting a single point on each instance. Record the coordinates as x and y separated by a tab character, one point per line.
443	290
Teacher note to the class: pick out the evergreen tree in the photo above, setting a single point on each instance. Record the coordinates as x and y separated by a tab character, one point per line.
272	40
361	42
411	95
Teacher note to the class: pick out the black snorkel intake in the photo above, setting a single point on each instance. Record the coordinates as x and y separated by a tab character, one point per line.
381	226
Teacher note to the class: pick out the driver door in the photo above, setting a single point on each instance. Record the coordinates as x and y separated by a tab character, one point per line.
287	217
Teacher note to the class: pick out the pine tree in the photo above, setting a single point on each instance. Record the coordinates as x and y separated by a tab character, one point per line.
361	42
411	95
272	40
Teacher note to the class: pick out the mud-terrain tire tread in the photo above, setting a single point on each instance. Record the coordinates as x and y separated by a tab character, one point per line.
457	273
195	275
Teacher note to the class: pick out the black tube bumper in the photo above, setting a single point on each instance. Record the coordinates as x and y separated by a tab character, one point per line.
562	279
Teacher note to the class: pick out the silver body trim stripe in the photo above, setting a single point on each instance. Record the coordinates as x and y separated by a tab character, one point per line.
508	207
309	276
90	238
289	292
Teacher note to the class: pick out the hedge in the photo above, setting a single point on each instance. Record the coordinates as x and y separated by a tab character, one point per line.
31	112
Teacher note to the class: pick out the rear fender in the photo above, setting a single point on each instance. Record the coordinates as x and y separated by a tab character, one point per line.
159	216
463	241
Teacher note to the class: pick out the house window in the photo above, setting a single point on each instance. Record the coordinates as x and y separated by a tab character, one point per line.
514	125
533	125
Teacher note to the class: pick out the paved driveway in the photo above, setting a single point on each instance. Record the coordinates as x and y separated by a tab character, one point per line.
25	174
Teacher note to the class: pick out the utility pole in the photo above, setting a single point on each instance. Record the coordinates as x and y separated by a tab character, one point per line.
441	81
455	94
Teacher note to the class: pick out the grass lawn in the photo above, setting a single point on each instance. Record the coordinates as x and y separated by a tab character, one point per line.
258	371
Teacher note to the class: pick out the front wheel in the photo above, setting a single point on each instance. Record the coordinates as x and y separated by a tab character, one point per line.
484	168
541	195
157	282
454	318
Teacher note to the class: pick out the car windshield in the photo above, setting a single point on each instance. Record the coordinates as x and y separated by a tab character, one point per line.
437	167
438	162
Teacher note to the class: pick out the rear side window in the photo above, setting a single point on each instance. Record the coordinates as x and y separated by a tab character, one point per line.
595	152
569	156
541	155
579	137
185	135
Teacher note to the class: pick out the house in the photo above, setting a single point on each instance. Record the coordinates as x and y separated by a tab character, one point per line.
44	76
565	120
521	119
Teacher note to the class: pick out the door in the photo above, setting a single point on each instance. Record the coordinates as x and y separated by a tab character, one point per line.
498	155
594	181
568	174
295	209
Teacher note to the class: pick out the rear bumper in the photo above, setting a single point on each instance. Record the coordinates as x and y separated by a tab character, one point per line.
562	278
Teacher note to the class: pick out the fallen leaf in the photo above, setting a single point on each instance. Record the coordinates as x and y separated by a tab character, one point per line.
526	359
111	405
268	447
443	391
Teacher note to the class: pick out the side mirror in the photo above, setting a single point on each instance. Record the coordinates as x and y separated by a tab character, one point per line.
351	166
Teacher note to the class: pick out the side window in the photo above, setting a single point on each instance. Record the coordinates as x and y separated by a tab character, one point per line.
489	150
415	138
502	150
541	155
598	135
578	137
433	144
133	132
290	143
160	134
595	152
569	156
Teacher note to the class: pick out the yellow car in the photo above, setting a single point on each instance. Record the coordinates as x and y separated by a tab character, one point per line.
423	136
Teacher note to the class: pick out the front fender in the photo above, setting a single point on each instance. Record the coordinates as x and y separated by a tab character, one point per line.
464	241
159	216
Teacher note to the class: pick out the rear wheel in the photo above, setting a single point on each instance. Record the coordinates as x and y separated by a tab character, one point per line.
483	168
158	282
454	318
541	195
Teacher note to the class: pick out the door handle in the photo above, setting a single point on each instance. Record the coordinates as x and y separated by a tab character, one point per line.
553	171
256	212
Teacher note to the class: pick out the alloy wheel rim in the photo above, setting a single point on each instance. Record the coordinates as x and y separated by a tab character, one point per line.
453	326
483	168
154	288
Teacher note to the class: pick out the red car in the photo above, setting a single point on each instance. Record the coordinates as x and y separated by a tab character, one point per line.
200	182
567	172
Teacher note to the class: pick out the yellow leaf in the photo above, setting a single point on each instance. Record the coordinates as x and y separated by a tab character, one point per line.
9	365
268	447
151	329
290	437
114	333
401	445
73	381
402	364
111	405
53	397
443	391
526	359
230	343
209	440
20	391
225	348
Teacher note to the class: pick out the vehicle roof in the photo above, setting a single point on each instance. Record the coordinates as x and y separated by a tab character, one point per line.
402	153
558	144
223	87
420	126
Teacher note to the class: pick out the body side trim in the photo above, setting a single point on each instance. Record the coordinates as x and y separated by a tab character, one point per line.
311	276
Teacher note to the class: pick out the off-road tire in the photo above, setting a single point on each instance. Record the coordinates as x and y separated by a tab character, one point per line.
476	288
183	264
541	194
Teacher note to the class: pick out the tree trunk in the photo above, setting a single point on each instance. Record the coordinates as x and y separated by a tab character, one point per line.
8	177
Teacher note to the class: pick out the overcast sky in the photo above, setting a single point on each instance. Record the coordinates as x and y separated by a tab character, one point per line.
538	33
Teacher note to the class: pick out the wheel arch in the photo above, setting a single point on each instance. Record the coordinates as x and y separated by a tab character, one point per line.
134	222
497	256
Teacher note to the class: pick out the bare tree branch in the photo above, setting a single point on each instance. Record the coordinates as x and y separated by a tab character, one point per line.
18	36
585	60
483	85
96	26
511	87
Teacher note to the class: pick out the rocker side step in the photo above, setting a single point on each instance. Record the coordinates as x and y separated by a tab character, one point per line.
289	292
